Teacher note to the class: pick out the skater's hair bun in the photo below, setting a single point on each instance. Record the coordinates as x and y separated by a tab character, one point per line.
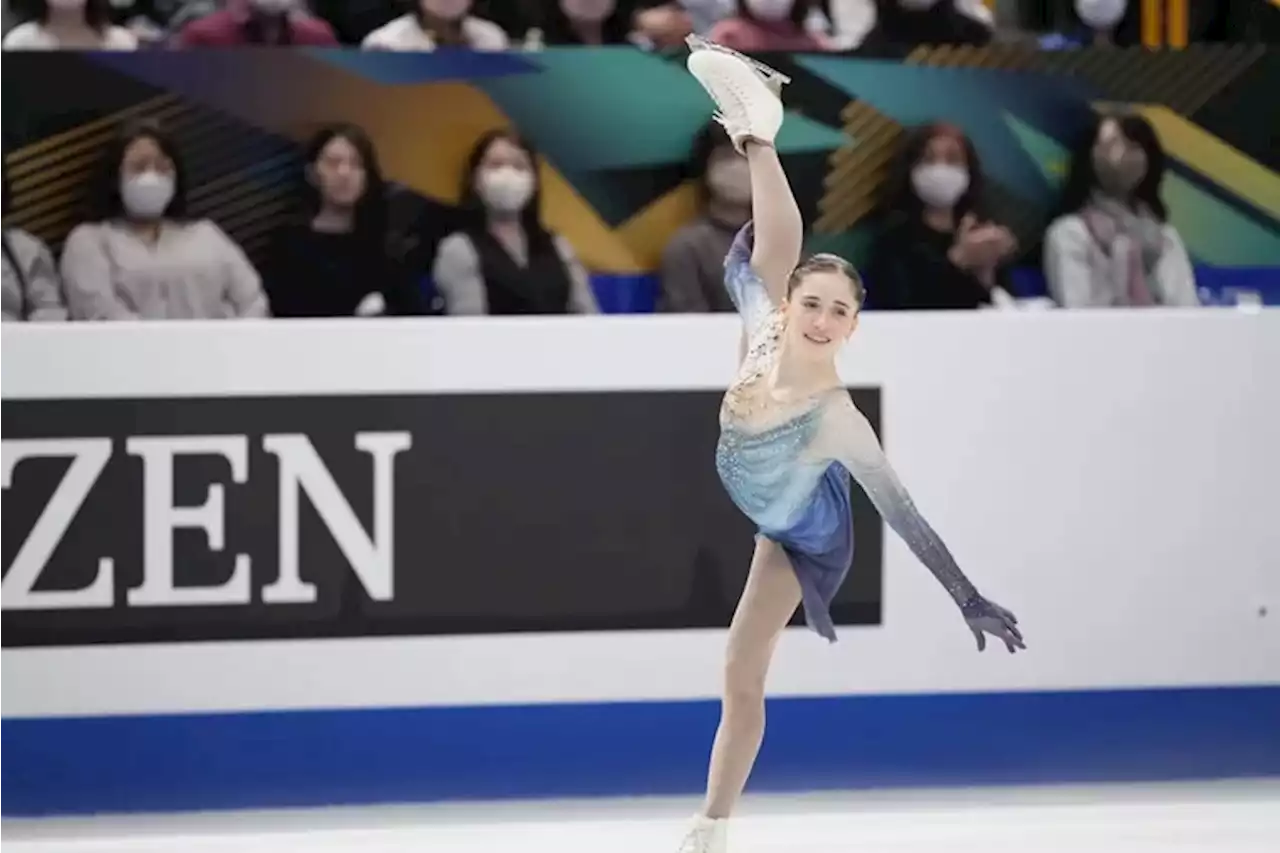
823	262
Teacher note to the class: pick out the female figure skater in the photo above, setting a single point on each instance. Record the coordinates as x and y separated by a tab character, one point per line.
791	436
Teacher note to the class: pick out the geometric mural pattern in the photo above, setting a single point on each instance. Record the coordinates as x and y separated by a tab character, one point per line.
615	127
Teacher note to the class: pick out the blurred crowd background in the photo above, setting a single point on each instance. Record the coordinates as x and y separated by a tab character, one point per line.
137	247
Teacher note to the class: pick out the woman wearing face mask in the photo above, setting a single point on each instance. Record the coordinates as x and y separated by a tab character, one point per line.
588	22
257	22
768	25
69	25
1095	22
790	437
437	23
144	258
934	251
506	261
693	261
337	259
1113	245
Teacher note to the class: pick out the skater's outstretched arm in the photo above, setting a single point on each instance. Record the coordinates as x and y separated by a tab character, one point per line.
779	230
846	436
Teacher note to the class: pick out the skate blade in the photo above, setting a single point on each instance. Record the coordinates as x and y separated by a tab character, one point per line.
771	75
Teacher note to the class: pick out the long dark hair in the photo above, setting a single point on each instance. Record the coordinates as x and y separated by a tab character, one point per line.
97	14
899	197
371	209
105	201
531	217
1082	179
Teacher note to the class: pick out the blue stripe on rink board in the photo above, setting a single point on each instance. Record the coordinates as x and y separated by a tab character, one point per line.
280	759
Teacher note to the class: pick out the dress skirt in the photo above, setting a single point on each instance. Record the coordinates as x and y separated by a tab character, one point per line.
819	543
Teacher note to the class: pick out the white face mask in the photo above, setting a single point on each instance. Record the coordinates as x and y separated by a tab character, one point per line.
1101	14
588	10
272	7
506	188
729	180
917	5
939	184
770	10
145	196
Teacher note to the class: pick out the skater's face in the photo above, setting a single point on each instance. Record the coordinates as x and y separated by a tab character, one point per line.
822	312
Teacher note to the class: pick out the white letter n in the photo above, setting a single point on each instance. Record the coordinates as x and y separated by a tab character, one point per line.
302	470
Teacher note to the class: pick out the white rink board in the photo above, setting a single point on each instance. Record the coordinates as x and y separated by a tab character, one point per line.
1112	477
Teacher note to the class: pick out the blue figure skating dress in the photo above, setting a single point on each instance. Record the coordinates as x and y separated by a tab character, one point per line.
786	463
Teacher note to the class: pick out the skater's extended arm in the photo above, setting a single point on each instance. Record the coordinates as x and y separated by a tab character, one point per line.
848	438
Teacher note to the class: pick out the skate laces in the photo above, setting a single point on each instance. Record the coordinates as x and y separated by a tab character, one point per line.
734	105
734	116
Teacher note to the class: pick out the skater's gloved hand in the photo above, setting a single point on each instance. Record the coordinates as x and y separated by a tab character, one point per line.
986	617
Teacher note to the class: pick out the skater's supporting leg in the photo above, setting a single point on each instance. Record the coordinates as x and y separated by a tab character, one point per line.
771	596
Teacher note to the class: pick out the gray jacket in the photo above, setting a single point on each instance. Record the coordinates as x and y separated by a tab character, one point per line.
32	288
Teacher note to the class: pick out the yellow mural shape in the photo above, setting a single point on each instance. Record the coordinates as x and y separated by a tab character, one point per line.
1216	160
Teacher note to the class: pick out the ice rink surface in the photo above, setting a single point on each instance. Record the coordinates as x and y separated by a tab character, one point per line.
1227	817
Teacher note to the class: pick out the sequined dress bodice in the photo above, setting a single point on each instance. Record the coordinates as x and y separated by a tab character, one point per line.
786	463
765	454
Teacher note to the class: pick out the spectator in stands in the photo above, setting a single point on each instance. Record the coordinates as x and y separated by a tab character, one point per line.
588	22
506	261
1113	244
911	22
1090	22
853	20
336	259
258	22
768	25
693	262
32	289
143	256
935	251
433	23
161	21
69	25
665	23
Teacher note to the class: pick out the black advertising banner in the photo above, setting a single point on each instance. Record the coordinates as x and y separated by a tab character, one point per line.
177	519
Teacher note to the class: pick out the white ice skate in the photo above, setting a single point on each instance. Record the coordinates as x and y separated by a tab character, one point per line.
746	92
706	835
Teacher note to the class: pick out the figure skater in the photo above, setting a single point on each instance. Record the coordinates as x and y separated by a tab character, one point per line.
791	436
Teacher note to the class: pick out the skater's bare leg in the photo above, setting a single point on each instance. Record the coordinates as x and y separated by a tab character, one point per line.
770	598
779	229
